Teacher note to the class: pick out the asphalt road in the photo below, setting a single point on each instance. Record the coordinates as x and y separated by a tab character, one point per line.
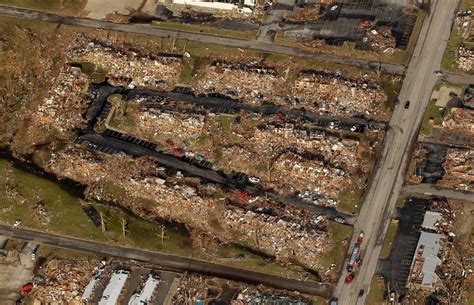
381	196
262	46
431	190
168	261
458	79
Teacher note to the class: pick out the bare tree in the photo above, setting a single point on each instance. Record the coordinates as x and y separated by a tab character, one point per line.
124	224
162	235
103	221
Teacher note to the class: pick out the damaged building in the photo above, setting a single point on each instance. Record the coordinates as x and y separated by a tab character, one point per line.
372	25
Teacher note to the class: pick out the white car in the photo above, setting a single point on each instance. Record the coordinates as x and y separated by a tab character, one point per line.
254	180
33	256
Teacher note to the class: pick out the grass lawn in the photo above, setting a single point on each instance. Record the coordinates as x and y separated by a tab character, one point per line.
21	191
350	200
225	121
195	28
192	69
377	290
434	113
338	252
391	89
387	243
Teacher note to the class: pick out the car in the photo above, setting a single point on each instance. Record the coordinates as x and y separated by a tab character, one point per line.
397	102
349	278
340	219
438	72
392	296
361	292
254	180
407	104
33	256
334	301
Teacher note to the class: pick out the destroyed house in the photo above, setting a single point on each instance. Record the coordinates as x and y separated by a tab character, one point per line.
426	260
350	21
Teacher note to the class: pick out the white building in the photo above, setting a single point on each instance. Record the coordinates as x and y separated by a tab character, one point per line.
242	6
114	287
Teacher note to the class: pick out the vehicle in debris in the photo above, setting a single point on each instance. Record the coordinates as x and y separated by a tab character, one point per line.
407	104
397	102
355	255
25	289
254	180
349	278
392	296
334	301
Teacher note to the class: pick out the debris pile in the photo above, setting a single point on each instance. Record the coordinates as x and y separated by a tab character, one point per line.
465	59
198	289
288	157
166	198
307	13
381	40
334	94
459	167
320	92
129	69
463	23
249	82
63	281
62	107
286	240
459	121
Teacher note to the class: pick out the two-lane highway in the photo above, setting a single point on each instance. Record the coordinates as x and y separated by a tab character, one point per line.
382	194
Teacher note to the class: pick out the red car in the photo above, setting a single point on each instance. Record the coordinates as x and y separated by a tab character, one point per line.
349	278
26	288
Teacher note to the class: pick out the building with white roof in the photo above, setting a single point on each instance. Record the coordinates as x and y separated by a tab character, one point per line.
114	287
425	261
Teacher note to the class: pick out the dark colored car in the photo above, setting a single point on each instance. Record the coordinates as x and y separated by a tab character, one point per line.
361	292
349	278
407	104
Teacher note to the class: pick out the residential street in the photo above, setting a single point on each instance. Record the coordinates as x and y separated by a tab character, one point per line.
381	197
167	261
231	42
430	189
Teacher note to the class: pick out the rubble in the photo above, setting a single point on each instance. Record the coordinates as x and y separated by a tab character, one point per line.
334	94
287	241
63	281
199	289
256	145
464	59
307	13
320	92
459	121
62	107
239	81
129	69
459	167
381	40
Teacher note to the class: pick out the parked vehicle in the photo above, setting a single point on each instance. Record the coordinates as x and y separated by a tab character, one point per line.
355	255
334	301
349	278
407	104
361	292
